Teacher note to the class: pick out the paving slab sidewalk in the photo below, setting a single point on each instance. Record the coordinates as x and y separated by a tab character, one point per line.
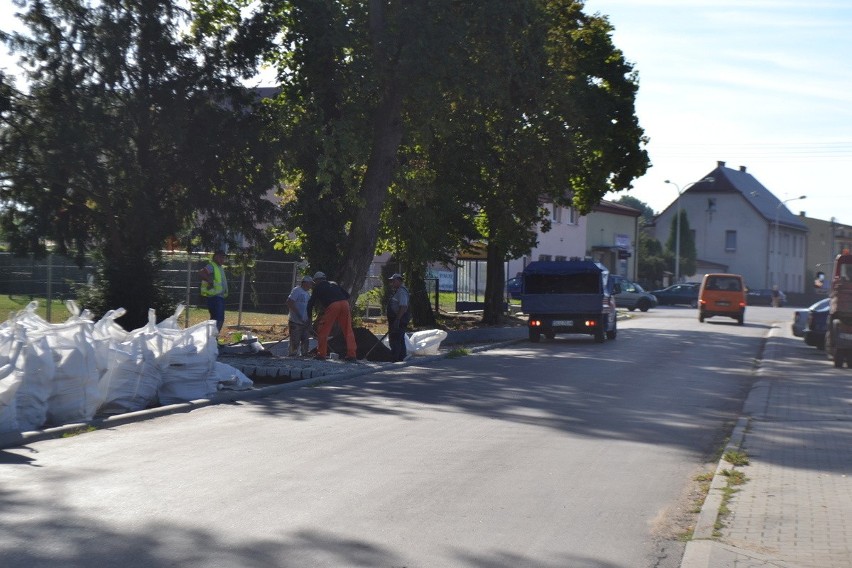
795	509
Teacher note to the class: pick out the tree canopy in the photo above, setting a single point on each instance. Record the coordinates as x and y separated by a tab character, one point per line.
688	252
508	102
126	135
419	125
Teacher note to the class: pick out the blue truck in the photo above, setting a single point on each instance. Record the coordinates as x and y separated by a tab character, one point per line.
569	296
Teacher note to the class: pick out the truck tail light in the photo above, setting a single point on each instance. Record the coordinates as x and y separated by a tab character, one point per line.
535	323
591	323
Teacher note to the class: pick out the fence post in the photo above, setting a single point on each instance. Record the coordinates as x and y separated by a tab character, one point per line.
49	284
242	289
437	296
188	288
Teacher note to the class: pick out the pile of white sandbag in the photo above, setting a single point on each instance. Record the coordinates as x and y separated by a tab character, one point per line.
54	374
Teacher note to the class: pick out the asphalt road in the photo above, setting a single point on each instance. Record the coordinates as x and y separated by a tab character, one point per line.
558	454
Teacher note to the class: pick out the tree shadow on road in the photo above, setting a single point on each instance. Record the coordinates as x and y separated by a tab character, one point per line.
624	389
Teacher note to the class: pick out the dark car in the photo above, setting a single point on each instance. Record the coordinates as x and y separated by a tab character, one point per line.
817	324
513	287
763	297
685	294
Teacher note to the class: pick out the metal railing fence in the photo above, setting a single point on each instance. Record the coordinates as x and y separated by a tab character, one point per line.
257	292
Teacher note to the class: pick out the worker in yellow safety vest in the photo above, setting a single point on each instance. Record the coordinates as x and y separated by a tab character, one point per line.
214	287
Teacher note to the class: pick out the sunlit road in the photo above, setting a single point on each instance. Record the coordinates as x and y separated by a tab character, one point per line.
558	454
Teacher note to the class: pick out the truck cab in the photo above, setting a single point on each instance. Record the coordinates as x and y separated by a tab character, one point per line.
569	296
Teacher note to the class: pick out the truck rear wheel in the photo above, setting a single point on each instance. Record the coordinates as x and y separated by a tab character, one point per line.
535	335
600	334
612	334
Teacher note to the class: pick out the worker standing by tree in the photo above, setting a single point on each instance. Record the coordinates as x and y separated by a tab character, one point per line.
214	287
398	317
299	320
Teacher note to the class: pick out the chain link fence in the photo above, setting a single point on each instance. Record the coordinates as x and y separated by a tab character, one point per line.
257	292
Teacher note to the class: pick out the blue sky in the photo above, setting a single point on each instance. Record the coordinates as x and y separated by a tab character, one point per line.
765	84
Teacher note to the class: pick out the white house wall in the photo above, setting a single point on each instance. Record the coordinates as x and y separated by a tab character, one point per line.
565	239
753	256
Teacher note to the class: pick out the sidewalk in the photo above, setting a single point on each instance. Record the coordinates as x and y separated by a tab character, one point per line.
795	509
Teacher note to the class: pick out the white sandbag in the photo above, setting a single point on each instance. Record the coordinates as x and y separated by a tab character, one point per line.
171	322
38	368
107	329
10	381
74	396
29	319
190	354
106	333
11	343
76	313
427	342
230	378
131	380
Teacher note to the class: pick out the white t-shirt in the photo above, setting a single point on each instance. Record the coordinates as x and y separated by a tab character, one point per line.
300	297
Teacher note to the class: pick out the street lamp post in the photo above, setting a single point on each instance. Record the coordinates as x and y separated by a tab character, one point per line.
777	263
677	228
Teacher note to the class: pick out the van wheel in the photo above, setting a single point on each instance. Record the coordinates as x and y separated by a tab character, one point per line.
701	317
535	335
550	335
740	320
838	361
644	305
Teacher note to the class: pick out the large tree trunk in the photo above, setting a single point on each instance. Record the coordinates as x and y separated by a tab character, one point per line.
382	164
363	233
420	302
495	278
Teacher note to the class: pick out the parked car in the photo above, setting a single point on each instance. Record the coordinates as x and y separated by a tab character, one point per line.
685	293
817	324
632	296
800	321
513	287
763	297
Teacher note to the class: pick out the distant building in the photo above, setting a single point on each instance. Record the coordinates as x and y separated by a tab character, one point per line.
739	224
612	235
826	240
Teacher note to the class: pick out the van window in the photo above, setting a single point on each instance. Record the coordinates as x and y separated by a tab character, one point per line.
723	283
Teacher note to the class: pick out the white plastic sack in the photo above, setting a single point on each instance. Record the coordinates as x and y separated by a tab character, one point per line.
74	396
131	380
427	342
171	322
190	355
106	334
38	368
11	343
230	378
